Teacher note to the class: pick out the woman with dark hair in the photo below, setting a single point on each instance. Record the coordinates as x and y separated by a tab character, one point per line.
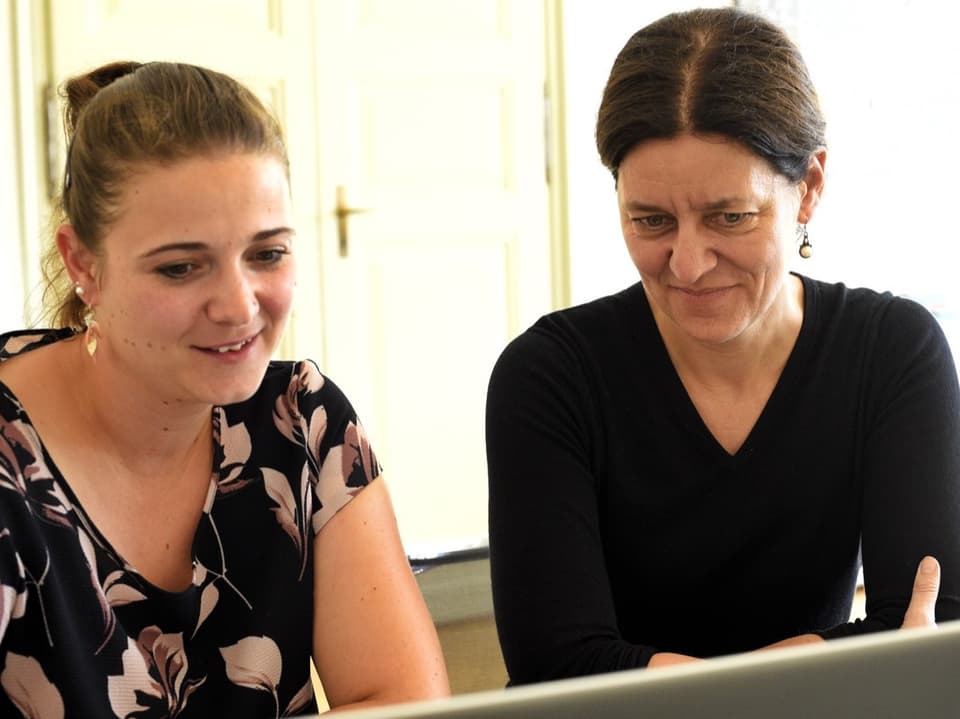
185	523
701	463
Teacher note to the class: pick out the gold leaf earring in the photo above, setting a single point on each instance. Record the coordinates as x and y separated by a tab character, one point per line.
91	337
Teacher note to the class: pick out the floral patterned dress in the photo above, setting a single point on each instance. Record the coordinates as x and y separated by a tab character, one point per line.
82	634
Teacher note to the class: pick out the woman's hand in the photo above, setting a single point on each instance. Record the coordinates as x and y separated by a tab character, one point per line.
926	586
668	659
921	612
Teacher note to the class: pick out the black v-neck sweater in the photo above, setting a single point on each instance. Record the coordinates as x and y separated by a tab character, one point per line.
620	527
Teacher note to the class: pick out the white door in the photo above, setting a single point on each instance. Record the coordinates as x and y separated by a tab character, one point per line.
428	114
431	119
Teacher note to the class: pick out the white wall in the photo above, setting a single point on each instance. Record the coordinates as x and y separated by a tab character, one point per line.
885	71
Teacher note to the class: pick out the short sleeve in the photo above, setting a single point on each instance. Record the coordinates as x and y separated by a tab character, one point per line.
340	459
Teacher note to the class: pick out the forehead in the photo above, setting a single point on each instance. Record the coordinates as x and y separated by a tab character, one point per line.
222	174
208	187
699	168
218	200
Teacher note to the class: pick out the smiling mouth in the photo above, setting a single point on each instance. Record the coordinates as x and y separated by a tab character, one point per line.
230	348
704	292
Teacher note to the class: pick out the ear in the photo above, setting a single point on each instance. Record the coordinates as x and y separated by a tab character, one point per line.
80	262
811	186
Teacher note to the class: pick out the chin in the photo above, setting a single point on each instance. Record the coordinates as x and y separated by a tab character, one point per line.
711	333
240	392
226	398
231	391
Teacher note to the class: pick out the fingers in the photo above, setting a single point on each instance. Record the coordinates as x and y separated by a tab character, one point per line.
668	659
926	585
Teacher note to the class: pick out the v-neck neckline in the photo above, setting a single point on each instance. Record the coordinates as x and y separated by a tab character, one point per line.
40	338
675	394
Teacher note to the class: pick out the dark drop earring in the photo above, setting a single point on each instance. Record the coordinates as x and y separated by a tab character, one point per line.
806	249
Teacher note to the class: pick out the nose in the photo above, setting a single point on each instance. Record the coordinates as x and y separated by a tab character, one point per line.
692	255
234	300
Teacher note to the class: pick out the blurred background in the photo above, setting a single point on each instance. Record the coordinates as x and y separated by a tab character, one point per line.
447	187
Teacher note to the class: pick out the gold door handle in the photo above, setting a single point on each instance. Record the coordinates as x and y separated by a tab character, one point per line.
343	212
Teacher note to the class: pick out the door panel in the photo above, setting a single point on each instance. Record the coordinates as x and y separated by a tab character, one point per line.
439	136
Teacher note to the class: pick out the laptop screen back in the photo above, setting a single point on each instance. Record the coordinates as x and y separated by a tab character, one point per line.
896	675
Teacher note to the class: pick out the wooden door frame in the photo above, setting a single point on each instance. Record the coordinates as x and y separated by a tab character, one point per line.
556	137
25	231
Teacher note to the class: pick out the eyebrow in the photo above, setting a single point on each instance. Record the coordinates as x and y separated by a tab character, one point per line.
261	236
725	202
640	207
720	204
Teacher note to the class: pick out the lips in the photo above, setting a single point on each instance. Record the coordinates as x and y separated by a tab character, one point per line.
704	292
233	347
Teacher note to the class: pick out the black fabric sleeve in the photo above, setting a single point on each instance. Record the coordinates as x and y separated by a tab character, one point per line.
552	598
911	468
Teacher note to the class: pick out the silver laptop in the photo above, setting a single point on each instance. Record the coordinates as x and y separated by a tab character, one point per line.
911	674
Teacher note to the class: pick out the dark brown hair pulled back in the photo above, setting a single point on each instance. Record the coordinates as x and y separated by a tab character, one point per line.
720	71
127	114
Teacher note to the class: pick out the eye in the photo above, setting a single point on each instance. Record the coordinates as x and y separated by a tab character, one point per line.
650	222
177	271
734	219
271	256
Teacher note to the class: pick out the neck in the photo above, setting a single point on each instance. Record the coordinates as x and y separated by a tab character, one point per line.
145	432
763	348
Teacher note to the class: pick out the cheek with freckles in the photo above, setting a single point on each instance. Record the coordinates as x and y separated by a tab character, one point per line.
142	324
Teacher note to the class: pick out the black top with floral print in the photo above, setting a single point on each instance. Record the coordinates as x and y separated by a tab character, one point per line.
82	634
